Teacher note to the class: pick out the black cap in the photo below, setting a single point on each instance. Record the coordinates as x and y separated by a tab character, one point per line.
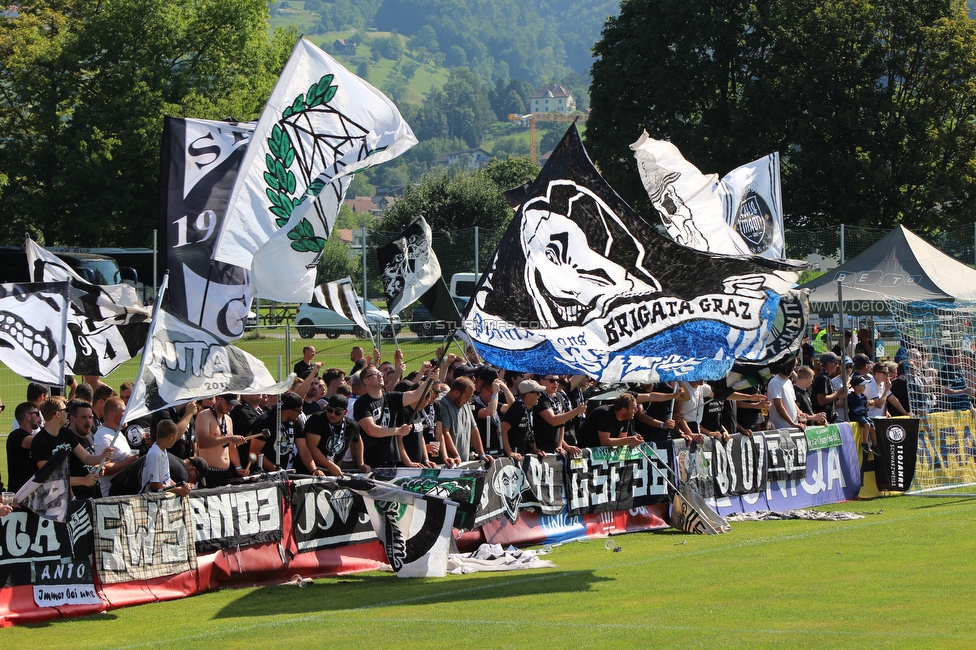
290	401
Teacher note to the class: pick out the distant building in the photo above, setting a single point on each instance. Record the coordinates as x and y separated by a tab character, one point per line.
344	46
552	99
366	204
476	158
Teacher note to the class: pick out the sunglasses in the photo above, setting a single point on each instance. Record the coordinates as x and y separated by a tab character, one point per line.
334	411
33	412
549	379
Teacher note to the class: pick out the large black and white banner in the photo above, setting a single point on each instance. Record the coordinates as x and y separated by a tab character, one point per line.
462	486
741	214
408	266
55	558
231	517
201	159
614	478
32	327
740	465
513	486
894	467
142	537
325	515
415	529
107	324
581	284
48	492
184	362
743	465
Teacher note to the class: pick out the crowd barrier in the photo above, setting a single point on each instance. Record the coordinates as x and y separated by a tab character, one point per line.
122	551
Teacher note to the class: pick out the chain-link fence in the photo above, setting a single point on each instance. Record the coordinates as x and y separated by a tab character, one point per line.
841	243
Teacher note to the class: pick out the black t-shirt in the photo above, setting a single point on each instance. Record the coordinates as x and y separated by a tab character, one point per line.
387	412
575	397
899	388
803	401
711	419
177	470
519	419
821	386
19	465
494	425
311	408
243	416
280	448
750	418
183	448
303	368
45	446
78	469
602	418
334	439
133	434
546	435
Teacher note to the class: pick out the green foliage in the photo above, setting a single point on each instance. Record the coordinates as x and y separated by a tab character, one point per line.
870	104
511	171
337	260
459	110
86	86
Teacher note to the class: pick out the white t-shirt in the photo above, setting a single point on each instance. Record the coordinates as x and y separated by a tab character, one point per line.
156	469
873	391
103	440
694	408
781	387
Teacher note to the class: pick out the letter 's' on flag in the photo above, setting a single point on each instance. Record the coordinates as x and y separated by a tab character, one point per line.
581	284
742	214
321	125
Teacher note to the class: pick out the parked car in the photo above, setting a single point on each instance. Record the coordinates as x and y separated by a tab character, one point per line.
425	327
315	320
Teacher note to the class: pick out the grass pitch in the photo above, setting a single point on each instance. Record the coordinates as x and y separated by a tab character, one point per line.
902	578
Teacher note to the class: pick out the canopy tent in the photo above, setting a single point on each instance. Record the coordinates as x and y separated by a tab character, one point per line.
901	265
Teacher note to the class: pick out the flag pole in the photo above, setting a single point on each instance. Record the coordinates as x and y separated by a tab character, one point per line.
65	297
149	337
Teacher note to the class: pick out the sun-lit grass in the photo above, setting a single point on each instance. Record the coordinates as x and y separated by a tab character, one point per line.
902	578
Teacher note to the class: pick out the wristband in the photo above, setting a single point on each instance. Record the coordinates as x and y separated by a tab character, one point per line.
239	467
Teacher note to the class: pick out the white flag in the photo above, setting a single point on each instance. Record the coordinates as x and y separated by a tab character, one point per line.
182	362
321	125
107	324
340	297
741	214
32	330
415	529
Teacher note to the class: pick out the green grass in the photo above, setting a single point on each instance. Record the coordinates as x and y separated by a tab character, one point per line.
899	579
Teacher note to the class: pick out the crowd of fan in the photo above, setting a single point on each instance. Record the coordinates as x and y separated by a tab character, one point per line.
453	410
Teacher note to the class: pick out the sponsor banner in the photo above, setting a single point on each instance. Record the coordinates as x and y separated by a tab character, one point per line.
511	487
740	465
232	517
832	475
143	537
464	487
946	449
823	437
325	515
533	528
894	469
613	478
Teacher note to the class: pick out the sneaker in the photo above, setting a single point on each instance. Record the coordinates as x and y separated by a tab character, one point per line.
866	448
875	450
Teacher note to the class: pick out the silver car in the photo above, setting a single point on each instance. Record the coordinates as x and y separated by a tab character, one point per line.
312	320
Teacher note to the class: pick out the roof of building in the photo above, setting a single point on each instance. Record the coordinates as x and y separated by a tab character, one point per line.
551	90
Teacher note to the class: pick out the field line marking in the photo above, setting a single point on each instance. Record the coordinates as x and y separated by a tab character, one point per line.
237	629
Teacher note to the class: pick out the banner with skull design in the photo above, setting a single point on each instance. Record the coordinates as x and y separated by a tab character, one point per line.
408	266
581	284
512	486
107	324
742	214
32	330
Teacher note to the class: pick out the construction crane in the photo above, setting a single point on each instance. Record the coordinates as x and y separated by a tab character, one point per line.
530	120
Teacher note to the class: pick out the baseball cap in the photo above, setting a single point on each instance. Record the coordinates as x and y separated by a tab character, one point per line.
290	401
339	402
857	380
530	386
829	357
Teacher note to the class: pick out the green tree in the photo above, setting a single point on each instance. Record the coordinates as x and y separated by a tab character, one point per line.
870	103
85	87
337	261
511	171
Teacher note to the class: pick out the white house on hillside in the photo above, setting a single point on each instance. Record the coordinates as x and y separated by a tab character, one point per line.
552	99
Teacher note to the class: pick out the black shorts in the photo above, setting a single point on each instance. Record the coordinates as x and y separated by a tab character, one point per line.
220	477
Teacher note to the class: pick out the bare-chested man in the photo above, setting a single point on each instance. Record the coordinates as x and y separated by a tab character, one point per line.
216	442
